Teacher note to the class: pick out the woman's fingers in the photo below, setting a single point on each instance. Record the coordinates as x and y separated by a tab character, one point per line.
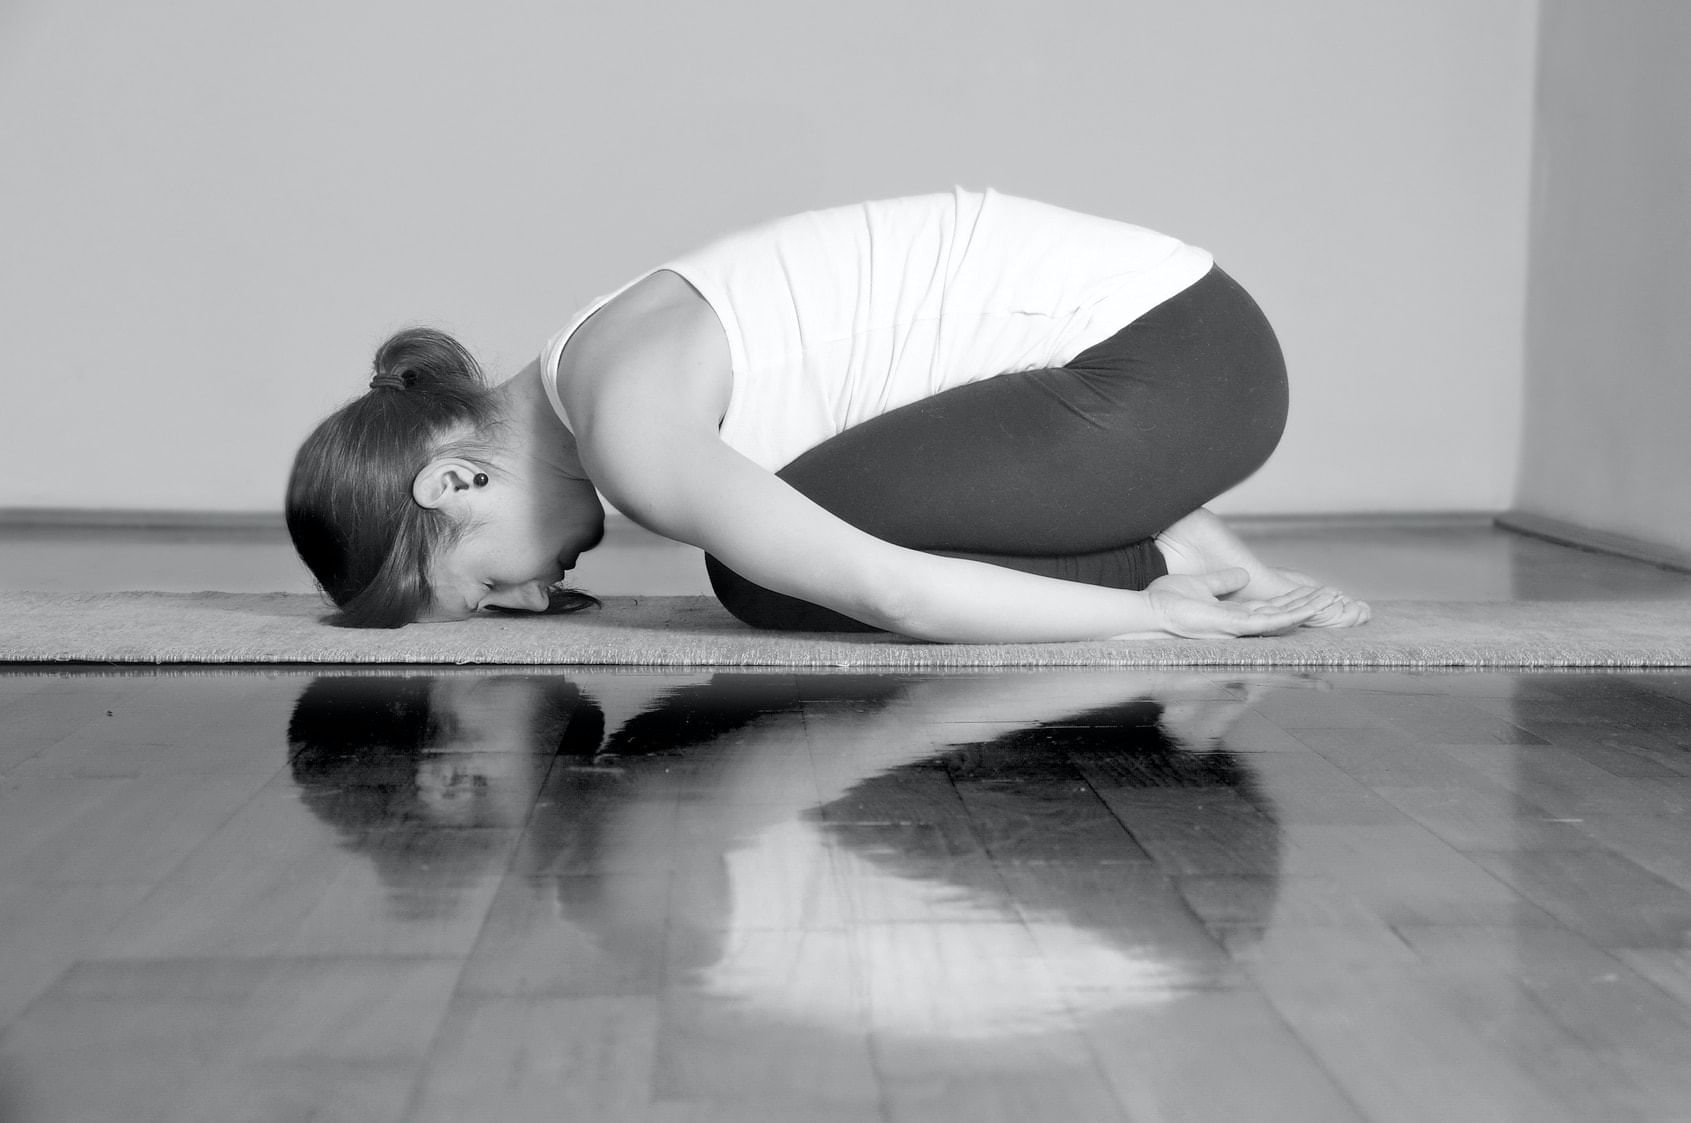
1318	596
1304	591
1333	608
1345	612
1268	622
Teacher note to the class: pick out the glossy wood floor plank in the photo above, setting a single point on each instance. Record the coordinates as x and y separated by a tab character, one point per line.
1628	1032
137	832
324	1038
540	1058
33	722
1380	1031
47	930
1251	1065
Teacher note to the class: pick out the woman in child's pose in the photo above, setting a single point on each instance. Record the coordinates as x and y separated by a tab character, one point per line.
960	417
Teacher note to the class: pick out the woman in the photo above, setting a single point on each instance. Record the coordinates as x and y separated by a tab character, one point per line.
960	417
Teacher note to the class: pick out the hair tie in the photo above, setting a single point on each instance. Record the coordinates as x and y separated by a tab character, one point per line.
387	380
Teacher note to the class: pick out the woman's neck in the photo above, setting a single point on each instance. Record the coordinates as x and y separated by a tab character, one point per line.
532	429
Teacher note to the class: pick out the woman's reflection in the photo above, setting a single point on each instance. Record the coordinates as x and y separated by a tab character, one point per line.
947	855
433	775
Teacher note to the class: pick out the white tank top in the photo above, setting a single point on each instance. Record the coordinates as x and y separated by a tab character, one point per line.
837	316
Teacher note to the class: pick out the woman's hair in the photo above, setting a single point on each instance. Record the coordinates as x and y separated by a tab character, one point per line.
349	507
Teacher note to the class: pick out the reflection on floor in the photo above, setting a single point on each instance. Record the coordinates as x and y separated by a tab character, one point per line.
595	894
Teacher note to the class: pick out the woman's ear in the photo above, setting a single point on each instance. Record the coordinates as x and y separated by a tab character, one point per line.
444	484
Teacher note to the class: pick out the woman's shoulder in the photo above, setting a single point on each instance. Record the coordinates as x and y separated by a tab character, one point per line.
658	337
661	310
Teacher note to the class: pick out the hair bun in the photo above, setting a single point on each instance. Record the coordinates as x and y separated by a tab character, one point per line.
425	359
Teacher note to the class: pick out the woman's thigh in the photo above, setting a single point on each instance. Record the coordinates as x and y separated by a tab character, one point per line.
1134	433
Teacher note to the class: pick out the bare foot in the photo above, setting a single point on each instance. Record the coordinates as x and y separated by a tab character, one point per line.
1201	543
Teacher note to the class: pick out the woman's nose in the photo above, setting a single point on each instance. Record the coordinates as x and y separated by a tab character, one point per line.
530	597
535	597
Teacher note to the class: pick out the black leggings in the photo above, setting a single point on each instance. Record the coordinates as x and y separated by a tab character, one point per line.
1066	472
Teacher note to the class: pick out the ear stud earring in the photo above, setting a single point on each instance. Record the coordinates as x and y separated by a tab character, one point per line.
481	479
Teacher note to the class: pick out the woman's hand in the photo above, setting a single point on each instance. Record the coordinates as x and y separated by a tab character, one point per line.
1190	606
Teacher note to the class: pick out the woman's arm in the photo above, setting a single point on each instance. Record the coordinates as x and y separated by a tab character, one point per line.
648	385
696	489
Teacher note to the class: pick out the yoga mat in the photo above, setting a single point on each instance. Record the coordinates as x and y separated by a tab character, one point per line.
158	628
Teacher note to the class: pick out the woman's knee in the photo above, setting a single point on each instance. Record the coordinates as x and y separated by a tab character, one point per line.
735	593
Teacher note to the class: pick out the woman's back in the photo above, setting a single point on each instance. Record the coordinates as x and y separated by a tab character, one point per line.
834	317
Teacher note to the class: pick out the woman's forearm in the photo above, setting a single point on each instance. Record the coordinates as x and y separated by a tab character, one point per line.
954	600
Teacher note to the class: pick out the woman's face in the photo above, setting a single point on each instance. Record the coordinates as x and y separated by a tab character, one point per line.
520	541
486	772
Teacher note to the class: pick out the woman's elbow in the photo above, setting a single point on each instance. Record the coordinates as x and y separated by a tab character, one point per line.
893	602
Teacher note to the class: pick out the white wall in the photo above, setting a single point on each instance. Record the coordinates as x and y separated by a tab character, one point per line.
211	211
1608	399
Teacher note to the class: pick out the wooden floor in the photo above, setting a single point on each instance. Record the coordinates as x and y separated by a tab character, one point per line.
338	894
